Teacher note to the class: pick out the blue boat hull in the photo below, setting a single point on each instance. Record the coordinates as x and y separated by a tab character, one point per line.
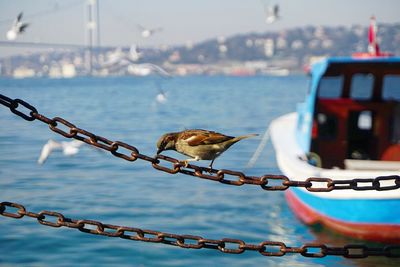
371	219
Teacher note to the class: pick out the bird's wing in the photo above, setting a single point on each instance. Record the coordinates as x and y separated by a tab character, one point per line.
203	137
276	10
23	27
156	68
140	27
134	49
76	143
47	149
19	17
268	9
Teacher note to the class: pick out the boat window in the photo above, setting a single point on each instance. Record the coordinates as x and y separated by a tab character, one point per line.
330	87
327	126
391	87
362	86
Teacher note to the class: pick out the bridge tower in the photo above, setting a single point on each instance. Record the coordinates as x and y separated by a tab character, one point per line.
92	32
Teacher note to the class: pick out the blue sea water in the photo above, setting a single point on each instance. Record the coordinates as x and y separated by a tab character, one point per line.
95	185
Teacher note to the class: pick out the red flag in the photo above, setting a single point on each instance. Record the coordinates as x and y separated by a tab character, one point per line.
373	46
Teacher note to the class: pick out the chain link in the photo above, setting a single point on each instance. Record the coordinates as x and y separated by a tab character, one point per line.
225	245
161	162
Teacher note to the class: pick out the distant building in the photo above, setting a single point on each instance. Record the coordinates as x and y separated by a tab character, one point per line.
175	56
269	47
23	72
68	70
249	43
222	49
281	43
297	44
327	43
55	72
314	43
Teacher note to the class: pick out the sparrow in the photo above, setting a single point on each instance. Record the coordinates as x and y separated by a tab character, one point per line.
198	144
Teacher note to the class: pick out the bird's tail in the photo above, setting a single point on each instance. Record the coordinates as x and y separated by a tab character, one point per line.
236	139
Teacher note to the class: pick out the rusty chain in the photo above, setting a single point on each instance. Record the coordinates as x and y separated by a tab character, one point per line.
225	245
230	177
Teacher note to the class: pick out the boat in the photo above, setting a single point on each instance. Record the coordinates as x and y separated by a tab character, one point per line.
275	71
348	127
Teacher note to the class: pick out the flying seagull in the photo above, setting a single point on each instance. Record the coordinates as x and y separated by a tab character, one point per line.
17	28
146	33
272	14
68	148
161	97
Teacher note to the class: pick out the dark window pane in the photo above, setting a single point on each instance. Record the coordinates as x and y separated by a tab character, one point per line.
330	87
391	87
362	86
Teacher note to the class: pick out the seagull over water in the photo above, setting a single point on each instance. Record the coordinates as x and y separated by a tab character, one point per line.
17	28
161	97
146	33
68	148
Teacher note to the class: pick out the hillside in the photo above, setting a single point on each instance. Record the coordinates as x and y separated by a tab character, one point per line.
249	53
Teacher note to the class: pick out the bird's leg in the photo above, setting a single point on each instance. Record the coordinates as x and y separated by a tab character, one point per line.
186	161
210	166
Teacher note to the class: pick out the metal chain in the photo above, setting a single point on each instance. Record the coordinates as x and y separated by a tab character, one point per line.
173	166
225	245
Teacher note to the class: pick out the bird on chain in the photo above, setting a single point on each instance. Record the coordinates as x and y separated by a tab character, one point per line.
198	144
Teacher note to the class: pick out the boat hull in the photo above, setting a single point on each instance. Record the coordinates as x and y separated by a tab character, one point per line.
369	215
371	220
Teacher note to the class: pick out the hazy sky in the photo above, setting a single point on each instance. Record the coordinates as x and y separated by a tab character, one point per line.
59	21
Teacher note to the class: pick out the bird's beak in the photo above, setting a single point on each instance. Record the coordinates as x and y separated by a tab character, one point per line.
159	151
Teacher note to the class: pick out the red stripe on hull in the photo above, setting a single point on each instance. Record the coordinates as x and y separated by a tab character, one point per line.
386	233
